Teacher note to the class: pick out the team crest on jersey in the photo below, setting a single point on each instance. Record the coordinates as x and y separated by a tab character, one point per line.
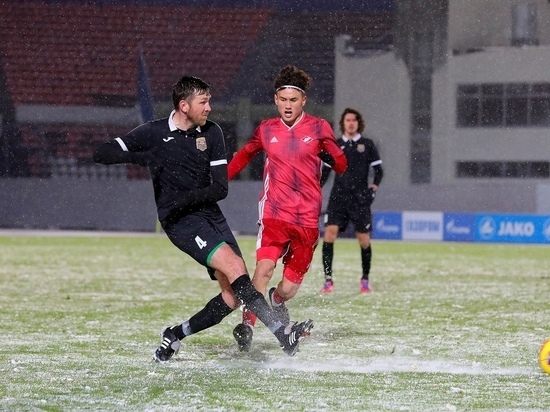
201	143
360	148
307	139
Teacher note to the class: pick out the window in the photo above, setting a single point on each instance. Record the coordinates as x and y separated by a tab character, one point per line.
504	169
503	105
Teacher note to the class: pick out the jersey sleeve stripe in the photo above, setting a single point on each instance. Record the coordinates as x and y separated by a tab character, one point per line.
218	162
376	163
122	144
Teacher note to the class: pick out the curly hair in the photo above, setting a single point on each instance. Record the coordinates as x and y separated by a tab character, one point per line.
360	126
292	76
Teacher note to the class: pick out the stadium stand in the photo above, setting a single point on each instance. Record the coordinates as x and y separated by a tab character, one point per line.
69	53
84	54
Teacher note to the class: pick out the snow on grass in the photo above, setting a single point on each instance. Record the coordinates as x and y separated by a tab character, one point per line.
448	327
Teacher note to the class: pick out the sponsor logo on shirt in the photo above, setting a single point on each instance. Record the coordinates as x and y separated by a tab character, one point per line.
201	143
274	140
307	139
167	139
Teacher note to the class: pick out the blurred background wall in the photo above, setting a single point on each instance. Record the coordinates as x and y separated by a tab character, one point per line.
455	94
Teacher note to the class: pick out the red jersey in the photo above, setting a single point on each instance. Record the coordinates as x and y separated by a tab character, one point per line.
292	170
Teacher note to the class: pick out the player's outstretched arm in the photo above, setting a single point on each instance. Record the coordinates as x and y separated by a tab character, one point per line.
246	154
112	153
239	162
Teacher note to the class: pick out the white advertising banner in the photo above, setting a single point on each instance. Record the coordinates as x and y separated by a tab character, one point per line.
423	226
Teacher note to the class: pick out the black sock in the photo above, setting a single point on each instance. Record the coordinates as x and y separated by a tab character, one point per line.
366	257
255	301
210	315
328	254
178	331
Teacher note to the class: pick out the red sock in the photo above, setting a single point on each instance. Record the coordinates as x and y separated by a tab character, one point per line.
249	318
277	299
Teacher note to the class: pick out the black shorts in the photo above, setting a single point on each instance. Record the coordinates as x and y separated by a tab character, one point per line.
341	213
200	236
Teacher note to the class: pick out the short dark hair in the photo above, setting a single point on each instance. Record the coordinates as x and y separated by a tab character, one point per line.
188	86
292	76
348	110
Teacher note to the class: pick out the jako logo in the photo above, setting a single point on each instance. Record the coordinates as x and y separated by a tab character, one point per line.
382	227
487	227
456	230
524	229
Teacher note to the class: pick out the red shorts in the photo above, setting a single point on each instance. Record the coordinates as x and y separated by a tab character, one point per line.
294	244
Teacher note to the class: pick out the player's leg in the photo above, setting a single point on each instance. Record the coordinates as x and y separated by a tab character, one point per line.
262	275
221	252
303	242
363	227
203	240
272	240
211	314
289	338
233	267
244	331
218	307
336	220
331	233
244	290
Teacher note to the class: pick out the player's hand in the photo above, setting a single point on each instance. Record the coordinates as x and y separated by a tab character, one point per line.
372	194
326	158
365	198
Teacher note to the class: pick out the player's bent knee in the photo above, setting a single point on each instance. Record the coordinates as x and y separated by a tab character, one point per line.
292	276
287	290
227	261
331	233
230	299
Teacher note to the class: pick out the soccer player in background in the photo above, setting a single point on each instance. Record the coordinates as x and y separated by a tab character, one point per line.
290	202
186	156
351	196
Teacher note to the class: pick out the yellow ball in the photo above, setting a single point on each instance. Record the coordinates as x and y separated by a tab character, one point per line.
544	356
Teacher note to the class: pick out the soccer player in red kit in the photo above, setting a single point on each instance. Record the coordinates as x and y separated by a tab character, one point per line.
290	202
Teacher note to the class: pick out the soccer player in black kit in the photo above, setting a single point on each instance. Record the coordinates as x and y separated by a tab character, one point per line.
351	196
186	156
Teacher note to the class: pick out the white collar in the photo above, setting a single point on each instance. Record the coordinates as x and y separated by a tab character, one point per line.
172	124
295	122
354	138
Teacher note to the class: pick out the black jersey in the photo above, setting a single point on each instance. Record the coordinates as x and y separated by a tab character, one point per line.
362	154
185	166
